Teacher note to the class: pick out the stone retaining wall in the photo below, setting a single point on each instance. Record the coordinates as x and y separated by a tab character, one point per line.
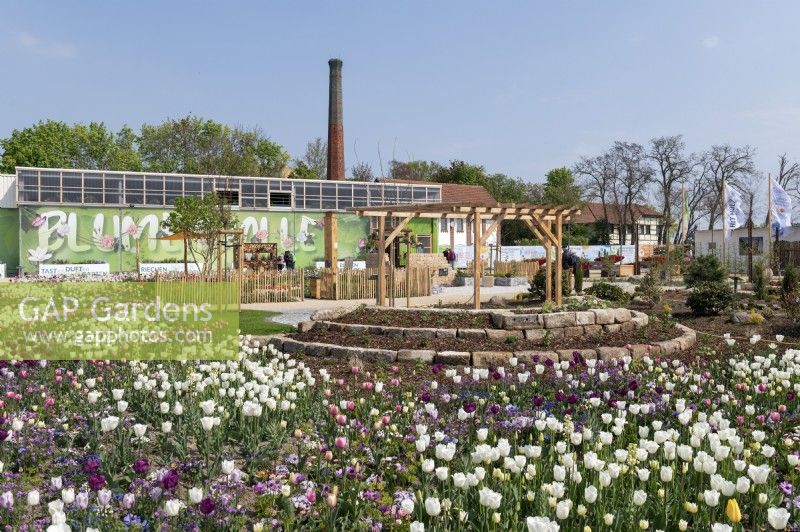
570	324
481	358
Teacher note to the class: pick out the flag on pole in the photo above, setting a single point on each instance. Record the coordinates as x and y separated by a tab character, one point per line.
734	215
781	207
684	217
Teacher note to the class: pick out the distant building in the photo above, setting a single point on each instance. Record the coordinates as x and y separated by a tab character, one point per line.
458	232
648	223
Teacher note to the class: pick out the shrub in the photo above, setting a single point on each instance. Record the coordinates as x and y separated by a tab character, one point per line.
537	284
760	286
705	269
579	278
649	288
790	292
608	292
709	298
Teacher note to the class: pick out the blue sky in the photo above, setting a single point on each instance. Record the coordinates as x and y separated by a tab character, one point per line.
520	87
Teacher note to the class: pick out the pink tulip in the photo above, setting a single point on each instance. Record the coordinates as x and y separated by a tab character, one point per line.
782	409
386	420
395	369
328	456
351	405
328	392
760	419
333	409
762	387
774	417
341	419
341	442
59	378
367	386
311	496
355	369
395	382
740	420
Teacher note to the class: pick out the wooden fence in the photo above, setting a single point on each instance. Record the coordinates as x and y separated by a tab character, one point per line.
516	268
362	284
269	286
788	253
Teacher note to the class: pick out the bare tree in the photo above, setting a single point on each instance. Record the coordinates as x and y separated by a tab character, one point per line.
725	163
673	167
598	175
316	157
630	185
698	190
362	172
789	176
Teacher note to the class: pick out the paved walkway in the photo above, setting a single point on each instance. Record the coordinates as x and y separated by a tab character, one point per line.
295	312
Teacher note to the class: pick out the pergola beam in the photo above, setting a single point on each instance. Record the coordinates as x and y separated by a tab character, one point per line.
495	224
397	229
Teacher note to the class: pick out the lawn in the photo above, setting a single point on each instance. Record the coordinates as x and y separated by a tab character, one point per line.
259	323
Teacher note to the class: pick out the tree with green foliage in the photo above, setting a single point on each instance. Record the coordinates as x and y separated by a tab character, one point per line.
194	145
414	170
315	160
54	144
560	188
705	269
199	221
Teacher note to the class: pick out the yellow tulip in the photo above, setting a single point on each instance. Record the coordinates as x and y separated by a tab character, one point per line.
732	511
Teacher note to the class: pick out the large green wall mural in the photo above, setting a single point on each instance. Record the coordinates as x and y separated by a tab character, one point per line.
59	234
9	239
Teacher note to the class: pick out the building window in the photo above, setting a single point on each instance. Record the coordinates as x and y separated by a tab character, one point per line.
459	225
280	199
443	225
644	229
712	246
424	243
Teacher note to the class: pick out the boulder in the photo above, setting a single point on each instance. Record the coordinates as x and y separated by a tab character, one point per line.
603	316
424	355
446	333
740	316
485	359
305	326
472	334
559	320
611	353
585	317
453	358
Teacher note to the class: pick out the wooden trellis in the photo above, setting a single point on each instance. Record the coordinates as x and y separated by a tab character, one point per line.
545	221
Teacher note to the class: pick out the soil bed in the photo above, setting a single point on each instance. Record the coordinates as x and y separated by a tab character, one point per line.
656	331
417	318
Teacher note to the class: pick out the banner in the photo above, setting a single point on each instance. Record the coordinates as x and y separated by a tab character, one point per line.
781	207
735	217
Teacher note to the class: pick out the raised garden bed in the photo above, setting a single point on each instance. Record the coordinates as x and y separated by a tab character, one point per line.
417	318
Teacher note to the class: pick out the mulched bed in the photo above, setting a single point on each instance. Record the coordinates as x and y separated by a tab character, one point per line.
656	331
417	318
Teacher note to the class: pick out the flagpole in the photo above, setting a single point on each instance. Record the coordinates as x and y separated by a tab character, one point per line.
724	222
769	220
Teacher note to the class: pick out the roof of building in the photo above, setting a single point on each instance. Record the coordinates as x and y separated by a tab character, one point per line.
453	192
592	212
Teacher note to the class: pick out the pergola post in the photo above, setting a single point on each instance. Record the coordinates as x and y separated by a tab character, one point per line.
548	273
559	265
381	288
476	261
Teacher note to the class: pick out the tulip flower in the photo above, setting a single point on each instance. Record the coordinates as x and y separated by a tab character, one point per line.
732	511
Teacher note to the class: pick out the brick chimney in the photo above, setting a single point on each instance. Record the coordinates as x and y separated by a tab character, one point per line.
335	123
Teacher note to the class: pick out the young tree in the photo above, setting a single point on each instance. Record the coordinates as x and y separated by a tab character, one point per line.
200	220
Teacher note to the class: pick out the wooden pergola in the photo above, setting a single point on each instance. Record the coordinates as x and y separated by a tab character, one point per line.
545	221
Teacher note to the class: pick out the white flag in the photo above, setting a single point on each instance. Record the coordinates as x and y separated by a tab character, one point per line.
781	206
734	215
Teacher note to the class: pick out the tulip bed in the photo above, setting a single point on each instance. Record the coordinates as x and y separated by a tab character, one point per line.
268	442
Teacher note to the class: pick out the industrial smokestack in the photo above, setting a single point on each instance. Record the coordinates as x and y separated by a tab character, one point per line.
335	123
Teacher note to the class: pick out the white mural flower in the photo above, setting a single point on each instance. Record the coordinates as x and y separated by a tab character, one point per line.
38	255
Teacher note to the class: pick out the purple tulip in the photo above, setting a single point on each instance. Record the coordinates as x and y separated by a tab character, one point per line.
170	479
97	482
207	506
91	465
470	407
141	466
